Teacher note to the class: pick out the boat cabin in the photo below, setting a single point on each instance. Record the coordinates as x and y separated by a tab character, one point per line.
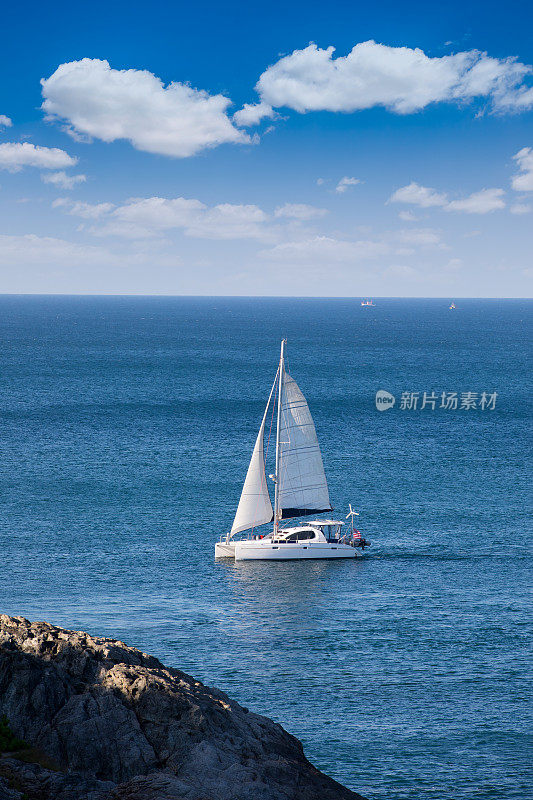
300	533
331	528
322	530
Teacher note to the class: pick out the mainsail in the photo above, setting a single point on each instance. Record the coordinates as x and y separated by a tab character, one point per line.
300	481
254	506
302	485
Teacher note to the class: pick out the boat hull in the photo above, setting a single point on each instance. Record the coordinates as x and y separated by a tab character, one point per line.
267	551
225	550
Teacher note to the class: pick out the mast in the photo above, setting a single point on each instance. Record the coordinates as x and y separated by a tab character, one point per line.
278	452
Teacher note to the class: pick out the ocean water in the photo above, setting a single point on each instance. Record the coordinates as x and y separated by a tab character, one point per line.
126	429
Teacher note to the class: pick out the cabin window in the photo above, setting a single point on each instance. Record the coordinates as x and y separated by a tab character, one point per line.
299	536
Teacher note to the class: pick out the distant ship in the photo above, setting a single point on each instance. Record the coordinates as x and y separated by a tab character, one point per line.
452	306
369	303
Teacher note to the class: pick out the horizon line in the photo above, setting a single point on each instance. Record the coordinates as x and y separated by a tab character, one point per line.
264	296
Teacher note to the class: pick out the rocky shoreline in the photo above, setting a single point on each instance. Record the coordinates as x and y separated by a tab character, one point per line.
104	721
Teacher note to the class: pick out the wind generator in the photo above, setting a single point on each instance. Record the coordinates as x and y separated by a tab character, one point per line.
357	538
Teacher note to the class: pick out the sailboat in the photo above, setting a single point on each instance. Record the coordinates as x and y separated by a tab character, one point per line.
452	306
300	490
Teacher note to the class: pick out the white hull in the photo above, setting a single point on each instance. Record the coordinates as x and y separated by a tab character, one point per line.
225	550
268	551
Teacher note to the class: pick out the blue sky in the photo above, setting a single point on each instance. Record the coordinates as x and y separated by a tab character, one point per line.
399	164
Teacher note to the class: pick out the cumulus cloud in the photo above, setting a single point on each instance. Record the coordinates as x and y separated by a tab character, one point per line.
63	180
16	155
253	113
5	122
109	104
299	211
481	202
325	249
140	218
523	182
418	196
228	221
84	210
401	79
518	99
345	183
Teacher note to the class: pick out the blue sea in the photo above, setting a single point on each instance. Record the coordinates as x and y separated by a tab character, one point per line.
127	424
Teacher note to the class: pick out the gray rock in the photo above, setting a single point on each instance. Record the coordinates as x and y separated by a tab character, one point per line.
113	723
25	780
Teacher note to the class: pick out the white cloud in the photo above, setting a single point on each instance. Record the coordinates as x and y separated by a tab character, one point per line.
408	216
482	202
84	210
46	250
140	218
253	113
518	99
5	122
16	155
109	104
63	180
345	183
48	264
320	181
520	208
299	211
418	196
228	221
325	249
157	213
401	79
523	182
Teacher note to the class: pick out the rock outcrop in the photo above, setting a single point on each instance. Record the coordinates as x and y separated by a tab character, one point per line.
105	721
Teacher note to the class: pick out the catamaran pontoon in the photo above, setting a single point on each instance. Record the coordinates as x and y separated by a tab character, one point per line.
300	489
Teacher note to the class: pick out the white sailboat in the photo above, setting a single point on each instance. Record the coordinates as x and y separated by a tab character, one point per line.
300	490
